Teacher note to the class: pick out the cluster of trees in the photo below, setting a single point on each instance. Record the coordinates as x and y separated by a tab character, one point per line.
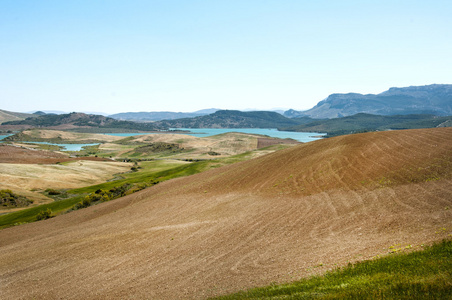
9	199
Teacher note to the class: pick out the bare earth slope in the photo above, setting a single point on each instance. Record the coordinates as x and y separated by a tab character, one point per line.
20	155
276	218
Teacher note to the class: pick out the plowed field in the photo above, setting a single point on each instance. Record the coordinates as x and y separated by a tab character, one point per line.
277	218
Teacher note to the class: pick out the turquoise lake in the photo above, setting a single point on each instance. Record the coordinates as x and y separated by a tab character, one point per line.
67	147
203	132
3	136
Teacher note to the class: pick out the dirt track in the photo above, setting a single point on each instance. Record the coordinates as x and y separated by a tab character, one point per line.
277	218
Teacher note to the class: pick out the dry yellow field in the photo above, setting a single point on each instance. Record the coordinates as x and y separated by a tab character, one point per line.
31	179
70	136
223	145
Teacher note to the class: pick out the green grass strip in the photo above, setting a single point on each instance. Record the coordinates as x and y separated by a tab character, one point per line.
147	174
29	215
425	274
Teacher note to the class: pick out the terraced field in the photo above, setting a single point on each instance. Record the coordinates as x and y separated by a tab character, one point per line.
276	218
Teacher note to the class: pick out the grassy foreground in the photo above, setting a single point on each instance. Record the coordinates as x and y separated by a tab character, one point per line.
425	274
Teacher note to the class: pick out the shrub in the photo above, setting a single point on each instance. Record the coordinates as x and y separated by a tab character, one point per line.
53	192
44	214
9	199
213	153
84	203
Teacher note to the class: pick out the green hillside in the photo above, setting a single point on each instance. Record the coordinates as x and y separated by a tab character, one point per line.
233	119
6	116
367	122
83	120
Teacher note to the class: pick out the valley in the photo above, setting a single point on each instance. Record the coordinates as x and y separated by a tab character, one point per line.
31	169
252	218
109	208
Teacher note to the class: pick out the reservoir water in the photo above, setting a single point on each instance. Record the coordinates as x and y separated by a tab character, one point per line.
203	132
66	147
3	136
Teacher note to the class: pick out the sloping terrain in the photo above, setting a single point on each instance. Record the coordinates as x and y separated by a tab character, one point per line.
21	155
160	115
232	119
29	172
429	99
78	120
217	146
6	116
365	122
57	136
286	215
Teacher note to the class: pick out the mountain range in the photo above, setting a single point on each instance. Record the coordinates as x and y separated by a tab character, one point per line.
433	99
219	119
232	119
397	108
79	120
160	115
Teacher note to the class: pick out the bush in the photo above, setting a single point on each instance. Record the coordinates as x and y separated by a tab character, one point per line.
84	203
213	153
53	192
44	214
9	199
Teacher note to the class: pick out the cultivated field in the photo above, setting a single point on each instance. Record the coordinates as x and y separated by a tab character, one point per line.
276	218
190	147
218	146
69	136
29	172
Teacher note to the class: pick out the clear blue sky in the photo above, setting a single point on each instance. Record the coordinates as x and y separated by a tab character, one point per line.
156	55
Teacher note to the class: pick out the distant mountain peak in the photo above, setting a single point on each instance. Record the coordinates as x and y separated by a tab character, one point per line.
428	99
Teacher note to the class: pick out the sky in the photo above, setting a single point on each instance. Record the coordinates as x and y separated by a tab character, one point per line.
172	55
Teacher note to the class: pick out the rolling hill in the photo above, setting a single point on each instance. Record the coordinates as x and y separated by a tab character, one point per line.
433	99
160	115
6	116
366	122
219	119
277	218
233	119
80	120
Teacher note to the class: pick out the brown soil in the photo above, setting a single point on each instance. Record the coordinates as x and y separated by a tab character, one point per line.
223	145
277	218
19	155
70	136
265	142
